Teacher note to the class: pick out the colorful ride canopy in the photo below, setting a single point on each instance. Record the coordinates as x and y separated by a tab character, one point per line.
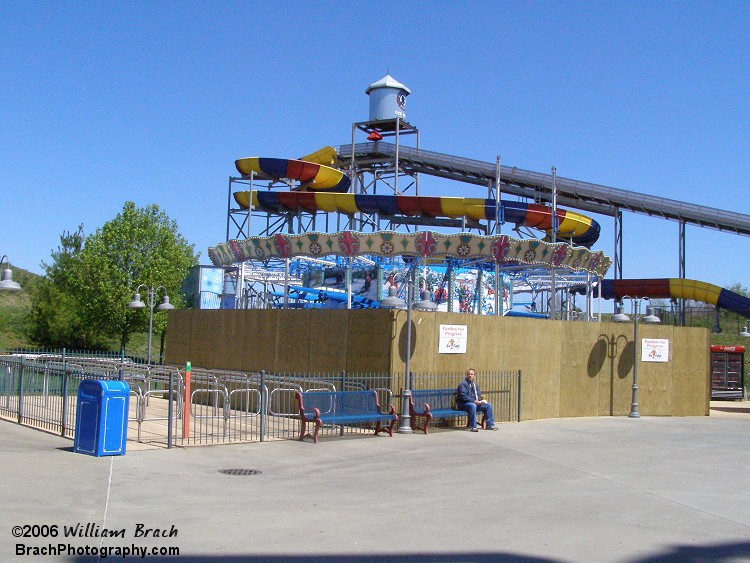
578	228
429	245
311	171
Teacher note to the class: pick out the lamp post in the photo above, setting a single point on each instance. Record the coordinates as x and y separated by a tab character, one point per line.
395	302
650	318
404	425
424	304
7	283
136	303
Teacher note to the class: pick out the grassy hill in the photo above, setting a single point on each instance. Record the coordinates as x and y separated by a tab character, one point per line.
15	305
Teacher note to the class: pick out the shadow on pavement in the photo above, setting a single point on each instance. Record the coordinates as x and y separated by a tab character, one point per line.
475	557
695	553
679	553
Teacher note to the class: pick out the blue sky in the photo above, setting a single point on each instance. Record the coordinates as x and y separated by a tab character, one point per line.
104	102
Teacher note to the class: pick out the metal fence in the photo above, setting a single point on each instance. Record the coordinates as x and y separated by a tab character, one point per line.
171	406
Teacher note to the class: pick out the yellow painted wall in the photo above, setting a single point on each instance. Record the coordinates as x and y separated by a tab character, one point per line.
569	368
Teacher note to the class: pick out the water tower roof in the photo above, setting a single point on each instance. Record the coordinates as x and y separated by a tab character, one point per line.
387	82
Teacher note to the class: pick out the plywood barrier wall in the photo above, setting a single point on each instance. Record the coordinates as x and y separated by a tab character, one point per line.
569	368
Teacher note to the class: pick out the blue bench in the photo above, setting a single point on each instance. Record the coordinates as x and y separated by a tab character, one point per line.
432	404
342	408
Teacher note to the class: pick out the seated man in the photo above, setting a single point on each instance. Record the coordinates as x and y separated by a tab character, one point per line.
469	399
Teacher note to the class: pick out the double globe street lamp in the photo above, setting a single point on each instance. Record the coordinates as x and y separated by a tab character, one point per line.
393	301
649	318
136	303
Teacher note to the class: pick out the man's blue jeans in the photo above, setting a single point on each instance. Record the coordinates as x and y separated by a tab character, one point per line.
485	408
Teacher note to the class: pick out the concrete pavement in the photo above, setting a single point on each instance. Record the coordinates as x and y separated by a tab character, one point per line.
587	489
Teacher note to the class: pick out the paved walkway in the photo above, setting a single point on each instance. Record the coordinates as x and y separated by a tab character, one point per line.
586	489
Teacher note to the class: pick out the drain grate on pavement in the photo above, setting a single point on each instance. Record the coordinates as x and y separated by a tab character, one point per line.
240	471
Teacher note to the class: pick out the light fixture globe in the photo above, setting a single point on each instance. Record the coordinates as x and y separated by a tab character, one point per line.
7	283
620	317
650	317
136	303
393	301
425	304
165	305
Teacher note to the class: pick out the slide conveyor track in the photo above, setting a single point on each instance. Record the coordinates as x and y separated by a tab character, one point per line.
586	196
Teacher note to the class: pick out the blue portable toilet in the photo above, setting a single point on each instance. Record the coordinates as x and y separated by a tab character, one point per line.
102	417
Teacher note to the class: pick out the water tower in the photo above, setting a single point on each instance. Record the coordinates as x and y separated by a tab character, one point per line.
387	99
387	119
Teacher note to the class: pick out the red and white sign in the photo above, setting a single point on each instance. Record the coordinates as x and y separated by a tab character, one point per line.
654	350
721	348
453	339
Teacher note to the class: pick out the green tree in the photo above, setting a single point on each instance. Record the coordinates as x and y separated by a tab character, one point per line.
729	318
739	288
139	246
55	318
64	262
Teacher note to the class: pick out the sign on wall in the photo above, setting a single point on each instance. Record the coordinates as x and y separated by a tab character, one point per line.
453	339
654	350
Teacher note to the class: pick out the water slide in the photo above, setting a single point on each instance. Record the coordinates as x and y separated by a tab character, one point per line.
580	229
311	171
678	288
316	177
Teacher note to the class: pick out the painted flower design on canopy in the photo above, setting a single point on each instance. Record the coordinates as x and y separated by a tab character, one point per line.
237	251
226	252
282	245
559	255
386	247
348	243
500	248
257	247
425	243
314	247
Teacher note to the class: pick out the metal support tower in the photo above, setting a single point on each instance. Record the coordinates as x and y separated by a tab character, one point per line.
238	219
617	261
681	253
493	192
373	177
